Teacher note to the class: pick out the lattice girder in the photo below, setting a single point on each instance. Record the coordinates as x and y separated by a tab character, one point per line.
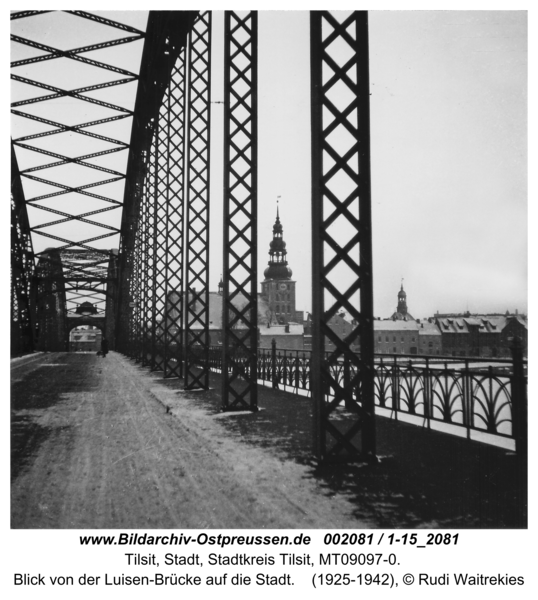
197	221
240	212
341	231
37	173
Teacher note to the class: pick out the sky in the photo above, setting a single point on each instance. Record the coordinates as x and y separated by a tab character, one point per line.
449	154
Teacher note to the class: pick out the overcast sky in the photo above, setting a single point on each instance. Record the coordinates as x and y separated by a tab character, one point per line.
449	188
448	105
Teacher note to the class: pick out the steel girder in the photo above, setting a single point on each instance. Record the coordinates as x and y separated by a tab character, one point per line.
32	142
240	310
159	243
111	299
86	271
197	217
160	224
174	321
160	219
148	222
165	39
341	232
22	270
51	303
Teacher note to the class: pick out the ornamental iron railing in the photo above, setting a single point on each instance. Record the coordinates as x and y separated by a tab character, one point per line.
482	395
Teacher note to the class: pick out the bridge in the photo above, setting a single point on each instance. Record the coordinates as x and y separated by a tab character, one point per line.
110	209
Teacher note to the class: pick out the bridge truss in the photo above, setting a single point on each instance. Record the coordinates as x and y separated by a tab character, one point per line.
153	286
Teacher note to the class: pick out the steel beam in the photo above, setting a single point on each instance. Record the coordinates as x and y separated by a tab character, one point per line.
240	277
165	39
197	221
51	303
22	269
111	299
148	252
342	276
175	185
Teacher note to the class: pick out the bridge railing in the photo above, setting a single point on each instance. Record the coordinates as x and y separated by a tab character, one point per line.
462	395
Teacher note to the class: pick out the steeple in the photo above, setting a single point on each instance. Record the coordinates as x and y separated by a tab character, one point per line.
278	289
402	301
278	265
402	313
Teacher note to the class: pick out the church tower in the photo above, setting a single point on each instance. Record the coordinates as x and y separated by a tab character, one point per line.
402	314
278	289
402	302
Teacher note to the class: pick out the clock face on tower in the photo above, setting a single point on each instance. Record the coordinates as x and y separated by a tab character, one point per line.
282	286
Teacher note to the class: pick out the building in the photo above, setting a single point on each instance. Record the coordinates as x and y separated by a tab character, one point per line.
481	335
430	339
400	334
339	323
402	313
215	325
393	336
85	339
278	287
287	337
277	317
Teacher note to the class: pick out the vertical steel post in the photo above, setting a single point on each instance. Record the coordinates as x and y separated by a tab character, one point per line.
22	269
467	399
273	364
519	401
148	256
341	231
135	296
175	220
240	306
154	199
162	192
428	401
112	293
197	221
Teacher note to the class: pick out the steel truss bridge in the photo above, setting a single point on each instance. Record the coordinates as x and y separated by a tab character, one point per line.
110	200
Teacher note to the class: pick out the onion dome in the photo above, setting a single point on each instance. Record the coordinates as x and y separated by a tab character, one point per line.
280	271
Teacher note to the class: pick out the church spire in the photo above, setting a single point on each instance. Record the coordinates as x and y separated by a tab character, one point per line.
402	301
278	265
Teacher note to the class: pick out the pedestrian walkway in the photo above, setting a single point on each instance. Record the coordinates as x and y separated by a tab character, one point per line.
96	445
104	443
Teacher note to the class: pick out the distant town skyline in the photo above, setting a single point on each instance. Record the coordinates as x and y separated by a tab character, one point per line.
449	197
449	136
